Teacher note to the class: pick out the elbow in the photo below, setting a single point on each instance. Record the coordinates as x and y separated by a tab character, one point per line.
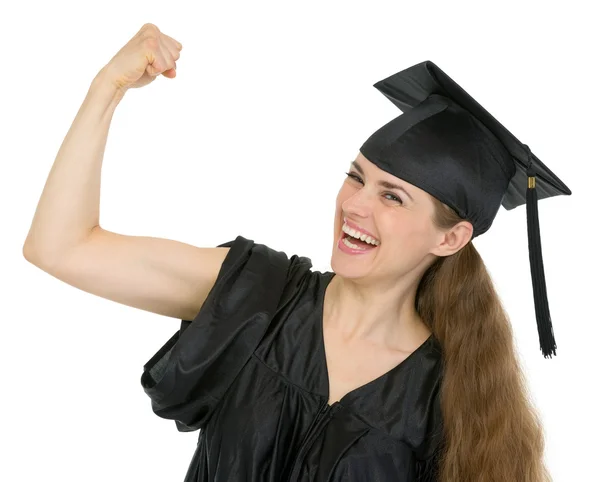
32	256
28	252
46	263
45	256
39	255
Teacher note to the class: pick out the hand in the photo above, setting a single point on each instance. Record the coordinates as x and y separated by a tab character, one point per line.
148	54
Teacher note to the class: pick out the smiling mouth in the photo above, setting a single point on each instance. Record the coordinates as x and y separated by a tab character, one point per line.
357	242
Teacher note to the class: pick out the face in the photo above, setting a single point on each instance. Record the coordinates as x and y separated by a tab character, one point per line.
399	220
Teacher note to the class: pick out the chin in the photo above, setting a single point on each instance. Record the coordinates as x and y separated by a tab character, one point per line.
350	266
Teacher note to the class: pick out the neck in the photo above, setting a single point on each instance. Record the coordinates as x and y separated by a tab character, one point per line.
381	312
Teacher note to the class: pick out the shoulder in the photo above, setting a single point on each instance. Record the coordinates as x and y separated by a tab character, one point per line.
243	249
254	265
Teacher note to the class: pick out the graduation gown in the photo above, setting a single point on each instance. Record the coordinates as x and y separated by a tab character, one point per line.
249	371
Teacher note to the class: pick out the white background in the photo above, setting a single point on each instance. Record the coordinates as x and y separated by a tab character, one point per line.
270	104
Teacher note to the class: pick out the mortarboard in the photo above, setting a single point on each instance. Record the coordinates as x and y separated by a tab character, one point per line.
447	144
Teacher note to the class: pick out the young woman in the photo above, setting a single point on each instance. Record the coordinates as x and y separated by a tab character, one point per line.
398	365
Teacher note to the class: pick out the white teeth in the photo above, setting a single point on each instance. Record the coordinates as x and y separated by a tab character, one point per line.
363	237
351	244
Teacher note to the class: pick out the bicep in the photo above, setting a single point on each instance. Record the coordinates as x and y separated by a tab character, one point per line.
158	275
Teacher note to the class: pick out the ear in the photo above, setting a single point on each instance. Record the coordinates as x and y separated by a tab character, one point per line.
454	239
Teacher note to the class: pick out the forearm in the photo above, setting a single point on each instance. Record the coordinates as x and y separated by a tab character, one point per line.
69	206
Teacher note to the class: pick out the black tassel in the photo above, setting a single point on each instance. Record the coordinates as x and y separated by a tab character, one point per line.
542	311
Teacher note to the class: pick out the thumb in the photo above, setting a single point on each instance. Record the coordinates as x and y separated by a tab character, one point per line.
152	70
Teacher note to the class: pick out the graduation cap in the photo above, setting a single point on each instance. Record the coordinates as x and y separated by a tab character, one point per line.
447	144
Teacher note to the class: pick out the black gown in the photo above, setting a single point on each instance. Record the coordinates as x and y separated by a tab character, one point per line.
250	372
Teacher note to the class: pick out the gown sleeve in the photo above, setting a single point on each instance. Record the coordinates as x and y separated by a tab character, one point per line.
189	375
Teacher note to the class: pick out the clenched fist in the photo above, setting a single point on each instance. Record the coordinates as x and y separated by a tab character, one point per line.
148	54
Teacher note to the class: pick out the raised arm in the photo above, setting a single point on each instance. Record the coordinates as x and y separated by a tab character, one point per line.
65	239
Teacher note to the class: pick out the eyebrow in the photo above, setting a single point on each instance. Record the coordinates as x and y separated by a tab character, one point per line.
386	184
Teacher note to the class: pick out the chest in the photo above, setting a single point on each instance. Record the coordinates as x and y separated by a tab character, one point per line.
353	365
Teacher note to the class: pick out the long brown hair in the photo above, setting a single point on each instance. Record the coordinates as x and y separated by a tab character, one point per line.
491	428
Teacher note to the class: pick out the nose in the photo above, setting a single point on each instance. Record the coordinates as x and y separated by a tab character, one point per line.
358	204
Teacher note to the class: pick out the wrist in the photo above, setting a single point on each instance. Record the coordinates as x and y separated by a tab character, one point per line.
105	89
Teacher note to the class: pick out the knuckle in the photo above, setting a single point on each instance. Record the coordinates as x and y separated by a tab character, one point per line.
149	27
151	43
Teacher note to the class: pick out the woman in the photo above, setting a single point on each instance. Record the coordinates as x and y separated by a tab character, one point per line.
397	366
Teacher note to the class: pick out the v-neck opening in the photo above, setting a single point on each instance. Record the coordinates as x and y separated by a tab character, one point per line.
321	327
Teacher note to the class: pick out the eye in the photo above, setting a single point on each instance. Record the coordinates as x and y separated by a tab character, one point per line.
355	176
